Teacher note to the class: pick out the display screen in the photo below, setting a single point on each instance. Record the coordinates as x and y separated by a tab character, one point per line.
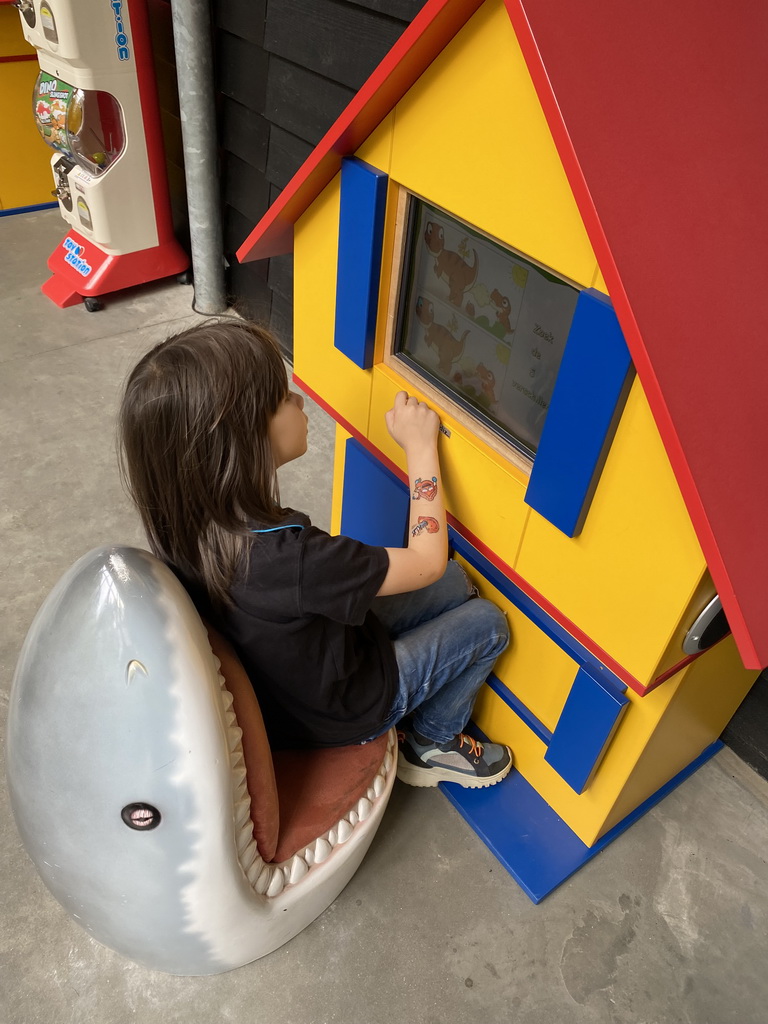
482	323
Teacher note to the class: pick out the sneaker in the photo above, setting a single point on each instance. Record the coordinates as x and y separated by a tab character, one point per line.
461	760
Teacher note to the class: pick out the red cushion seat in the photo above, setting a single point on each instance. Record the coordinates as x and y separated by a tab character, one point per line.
296	795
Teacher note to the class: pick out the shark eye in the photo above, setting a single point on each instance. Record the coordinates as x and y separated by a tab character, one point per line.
142	817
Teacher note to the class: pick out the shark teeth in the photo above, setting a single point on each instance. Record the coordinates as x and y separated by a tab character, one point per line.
264	878
344	831
271	879
276	883
299	868
322	850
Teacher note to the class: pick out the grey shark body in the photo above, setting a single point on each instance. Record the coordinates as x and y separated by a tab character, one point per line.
117	702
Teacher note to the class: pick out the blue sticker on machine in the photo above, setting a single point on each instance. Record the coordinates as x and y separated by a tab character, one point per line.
121	39
75	256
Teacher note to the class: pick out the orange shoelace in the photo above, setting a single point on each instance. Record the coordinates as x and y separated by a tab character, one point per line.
475	748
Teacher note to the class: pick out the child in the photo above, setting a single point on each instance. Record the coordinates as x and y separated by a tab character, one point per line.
341	640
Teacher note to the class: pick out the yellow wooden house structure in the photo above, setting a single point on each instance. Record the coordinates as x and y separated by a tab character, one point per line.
622	671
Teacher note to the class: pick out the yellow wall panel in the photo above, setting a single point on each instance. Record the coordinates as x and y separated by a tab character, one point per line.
25	172
339	382
631	573
584	813
471	137
540	674
705	696
530	659
480	491
377	149
674	653
599	282
12	41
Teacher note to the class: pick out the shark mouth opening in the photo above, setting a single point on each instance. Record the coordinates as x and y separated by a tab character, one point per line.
270	879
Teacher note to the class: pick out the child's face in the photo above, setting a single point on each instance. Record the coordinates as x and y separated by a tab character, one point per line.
288	430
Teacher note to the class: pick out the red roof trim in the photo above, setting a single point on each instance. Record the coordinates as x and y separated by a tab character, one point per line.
427	35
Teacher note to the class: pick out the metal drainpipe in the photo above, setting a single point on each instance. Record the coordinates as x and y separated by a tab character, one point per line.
192	33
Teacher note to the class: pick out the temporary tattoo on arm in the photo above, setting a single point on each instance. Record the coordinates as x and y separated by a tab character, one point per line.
426	489
425	523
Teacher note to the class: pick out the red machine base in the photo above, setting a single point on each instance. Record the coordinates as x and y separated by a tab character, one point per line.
81	269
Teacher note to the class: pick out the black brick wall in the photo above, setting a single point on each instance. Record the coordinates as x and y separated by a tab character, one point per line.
747	732
285	71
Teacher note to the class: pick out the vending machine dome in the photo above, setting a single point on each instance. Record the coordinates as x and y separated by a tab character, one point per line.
86	125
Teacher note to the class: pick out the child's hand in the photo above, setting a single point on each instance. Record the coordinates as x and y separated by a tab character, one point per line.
412	423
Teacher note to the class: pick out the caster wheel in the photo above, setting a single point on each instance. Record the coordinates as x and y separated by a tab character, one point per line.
92	305
184	278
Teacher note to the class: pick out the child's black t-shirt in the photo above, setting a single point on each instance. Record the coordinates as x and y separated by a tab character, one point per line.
322	665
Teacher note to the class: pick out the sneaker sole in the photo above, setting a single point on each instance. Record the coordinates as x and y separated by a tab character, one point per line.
430	777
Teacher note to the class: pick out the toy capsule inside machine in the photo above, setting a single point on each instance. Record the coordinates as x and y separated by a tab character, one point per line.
85	126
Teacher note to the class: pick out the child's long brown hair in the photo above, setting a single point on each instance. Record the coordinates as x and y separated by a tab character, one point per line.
194	448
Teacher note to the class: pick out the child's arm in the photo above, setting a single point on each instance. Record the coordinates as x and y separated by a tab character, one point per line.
415	428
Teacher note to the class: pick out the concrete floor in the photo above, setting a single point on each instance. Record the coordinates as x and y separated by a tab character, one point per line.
667	925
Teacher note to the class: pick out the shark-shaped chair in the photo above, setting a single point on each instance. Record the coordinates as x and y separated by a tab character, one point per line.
144	788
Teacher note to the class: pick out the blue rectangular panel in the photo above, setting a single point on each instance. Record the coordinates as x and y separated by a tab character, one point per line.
531	610
375	505
532	842
584	729
361	231
589	396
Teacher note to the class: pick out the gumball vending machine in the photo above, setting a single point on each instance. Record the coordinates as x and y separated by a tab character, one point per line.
95	105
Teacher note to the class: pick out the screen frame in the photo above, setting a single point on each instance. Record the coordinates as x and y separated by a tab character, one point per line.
463	411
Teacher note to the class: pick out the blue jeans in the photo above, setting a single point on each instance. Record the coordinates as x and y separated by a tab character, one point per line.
446	640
